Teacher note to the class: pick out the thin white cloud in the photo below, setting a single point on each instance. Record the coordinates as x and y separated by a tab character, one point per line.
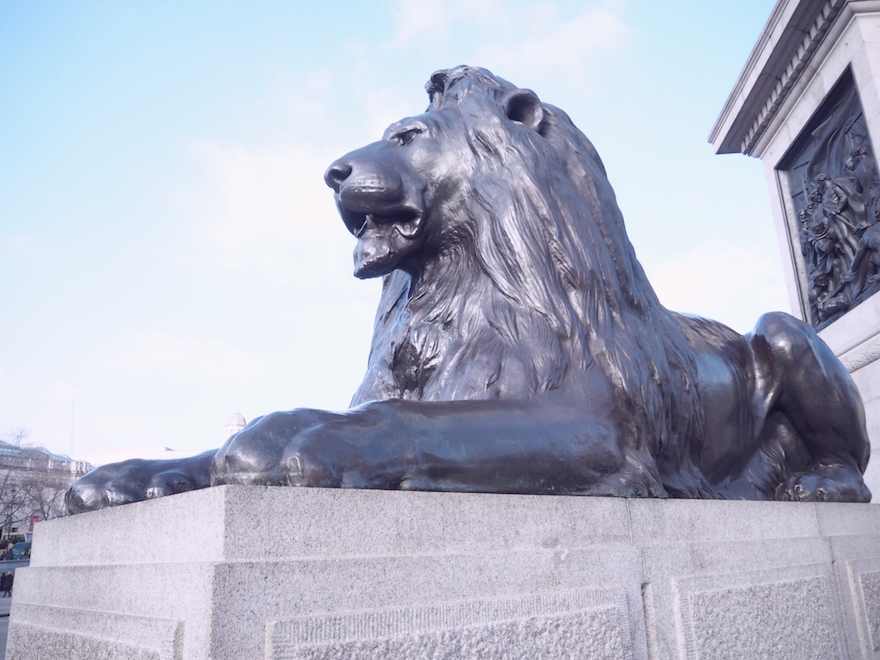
26	246
60	392
299	103
115	424
383	105
725	282
428	21
156	352
260	202
264	207
551	45
381	98
514	38
13	401
106	431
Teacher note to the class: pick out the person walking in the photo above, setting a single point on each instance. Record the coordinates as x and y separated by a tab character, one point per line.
9	577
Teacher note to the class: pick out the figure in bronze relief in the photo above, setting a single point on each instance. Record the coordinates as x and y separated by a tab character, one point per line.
836	195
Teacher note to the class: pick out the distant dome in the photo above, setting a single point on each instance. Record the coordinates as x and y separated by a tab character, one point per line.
236	419
234	424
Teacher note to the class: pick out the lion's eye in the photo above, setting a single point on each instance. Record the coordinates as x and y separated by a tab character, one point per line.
406	135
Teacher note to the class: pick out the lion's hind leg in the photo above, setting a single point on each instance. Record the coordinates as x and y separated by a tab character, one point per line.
799	377
829	483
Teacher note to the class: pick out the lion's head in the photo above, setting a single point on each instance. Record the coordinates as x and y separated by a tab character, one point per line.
404	196
508	269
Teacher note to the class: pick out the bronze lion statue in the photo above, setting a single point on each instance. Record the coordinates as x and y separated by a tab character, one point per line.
519	348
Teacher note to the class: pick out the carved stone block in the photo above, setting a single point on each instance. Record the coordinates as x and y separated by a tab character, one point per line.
75	634
578	625
357	574
774	618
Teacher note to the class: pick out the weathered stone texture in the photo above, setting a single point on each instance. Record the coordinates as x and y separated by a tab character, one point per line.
869	584
377	574
568	626
73	634
793	620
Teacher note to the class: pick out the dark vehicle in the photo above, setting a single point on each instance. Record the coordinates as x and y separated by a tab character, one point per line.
21	550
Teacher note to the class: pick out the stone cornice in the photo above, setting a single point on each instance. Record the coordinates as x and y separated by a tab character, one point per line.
792	35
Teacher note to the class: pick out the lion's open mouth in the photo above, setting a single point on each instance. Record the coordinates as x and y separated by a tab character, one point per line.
383	239
405	222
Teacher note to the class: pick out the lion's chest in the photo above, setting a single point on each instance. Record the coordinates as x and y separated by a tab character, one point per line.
416	358
439	364
451	348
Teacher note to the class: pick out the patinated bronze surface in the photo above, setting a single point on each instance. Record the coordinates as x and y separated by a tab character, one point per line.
519	347
835	186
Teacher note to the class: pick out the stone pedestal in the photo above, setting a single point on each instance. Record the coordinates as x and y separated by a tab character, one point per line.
808	105
283	573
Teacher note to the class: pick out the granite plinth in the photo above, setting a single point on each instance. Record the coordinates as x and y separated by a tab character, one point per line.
283	573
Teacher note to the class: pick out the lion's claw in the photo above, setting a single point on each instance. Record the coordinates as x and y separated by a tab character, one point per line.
293	468
303	469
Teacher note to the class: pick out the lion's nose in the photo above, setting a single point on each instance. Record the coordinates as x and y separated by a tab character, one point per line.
336	174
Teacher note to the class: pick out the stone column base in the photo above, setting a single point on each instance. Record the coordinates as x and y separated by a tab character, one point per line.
282	573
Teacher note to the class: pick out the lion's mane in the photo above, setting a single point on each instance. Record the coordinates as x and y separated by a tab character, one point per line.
545	279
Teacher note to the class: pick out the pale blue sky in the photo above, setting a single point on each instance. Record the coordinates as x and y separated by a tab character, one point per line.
169	252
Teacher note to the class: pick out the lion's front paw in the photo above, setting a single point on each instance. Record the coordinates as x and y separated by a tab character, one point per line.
108	485
136	480
87	494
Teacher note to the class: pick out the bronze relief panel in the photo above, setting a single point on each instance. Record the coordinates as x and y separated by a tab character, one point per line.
833	181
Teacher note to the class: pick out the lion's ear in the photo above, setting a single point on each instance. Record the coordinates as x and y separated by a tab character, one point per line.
524	106
435	88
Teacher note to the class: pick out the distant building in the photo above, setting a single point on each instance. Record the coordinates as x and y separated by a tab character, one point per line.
32	485
28	460
234	424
